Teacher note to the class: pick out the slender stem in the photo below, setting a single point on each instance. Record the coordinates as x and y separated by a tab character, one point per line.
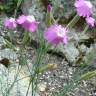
25	38
73	21
8	91
7	82
32	88
86	28
28	88
39	59
40	52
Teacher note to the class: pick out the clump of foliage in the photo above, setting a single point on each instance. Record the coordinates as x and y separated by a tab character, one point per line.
9	6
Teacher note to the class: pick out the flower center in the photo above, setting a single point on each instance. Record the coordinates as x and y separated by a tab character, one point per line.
12	19
30	18
61	33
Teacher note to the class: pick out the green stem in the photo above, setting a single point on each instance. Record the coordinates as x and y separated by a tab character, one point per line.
73	21
28	88
26	38
8	91
86	28
40	53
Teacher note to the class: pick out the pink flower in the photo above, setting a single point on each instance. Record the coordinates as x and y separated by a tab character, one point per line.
55	34
10	23
83	8
90	21
21	19
28	22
